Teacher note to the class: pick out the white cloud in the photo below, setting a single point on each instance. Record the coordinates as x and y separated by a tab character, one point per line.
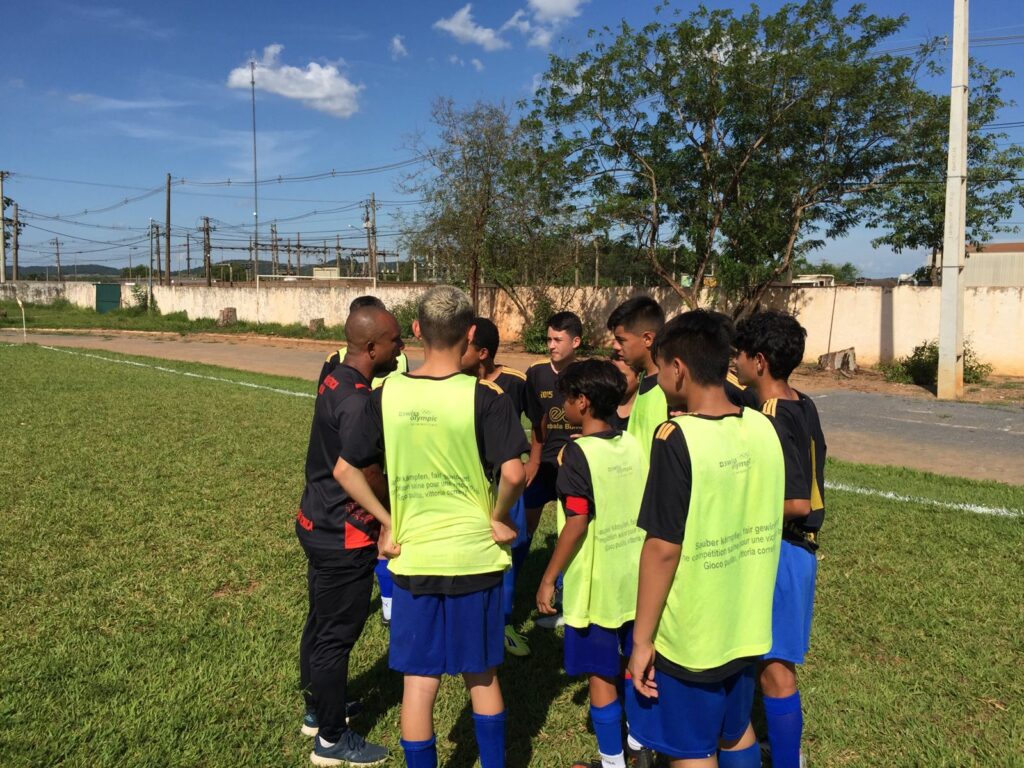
518	22
462	27
119	20
477	64
554	11
320	87
398	49
455	60
541	37
109	104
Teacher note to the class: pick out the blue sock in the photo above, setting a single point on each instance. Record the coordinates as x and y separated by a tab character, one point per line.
490	739
384	580
785	727
519	553
608	727
741	758
420	754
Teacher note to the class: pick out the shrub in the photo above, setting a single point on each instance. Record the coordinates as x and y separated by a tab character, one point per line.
921	366
535	332
405	313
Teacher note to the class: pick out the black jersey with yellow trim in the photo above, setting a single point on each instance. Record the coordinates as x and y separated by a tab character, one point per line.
513	381
798	422
545	408
739	394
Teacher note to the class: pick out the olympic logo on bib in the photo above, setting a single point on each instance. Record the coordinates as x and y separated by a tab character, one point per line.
556	414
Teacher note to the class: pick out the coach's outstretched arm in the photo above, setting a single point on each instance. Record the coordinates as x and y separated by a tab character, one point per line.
357	486
510	487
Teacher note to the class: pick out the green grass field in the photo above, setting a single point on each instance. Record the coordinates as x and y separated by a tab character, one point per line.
152	594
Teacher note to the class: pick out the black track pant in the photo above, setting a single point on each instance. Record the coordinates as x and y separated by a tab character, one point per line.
340	583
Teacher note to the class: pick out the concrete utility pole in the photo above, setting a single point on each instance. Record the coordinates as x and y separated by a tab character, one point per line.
288	253
188	255
255	183
167	233
951	310
337	252
159	268
149	301
14	245
298	254
207	267
56	245
275	263
3	232
371	236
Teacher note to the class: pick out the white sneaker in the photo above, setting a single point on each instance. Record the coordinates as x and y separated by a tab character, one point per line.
551	621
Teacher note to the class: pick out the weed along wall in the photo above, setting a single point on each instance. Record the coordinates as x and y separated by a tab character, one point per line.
880	323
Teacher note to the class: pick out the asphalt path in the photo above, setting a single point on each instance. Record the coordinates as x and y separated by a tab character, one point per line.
962	439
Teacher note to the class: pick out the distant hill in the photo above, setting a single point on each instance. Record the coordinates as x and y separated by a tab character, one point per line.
68	272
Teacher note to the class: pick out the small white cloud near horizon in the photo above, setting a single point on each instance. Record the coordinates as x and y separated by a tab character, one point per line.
554	11
110	104
462	27
455	60
398	49
477	64
319	87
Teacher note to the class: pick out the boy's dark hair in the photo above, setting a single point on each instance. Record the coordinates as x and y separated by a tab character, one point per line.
599	381
486	335
776	335
567	321
362	302
445	315
701	339
640	313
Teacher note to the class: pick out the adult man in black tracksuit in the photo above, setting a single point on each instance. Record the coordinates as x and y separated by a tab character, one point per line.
340	540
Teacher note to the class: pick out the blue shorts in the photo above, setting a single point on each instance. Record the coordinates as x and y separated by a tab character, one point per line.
518	515
597	650
542	489
793	604
687	720
446	634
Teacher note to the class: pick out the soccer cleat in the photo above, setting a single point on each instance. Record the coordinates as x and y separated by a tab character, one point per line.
551	621
640	758
585	764
350	749
310	727
515	643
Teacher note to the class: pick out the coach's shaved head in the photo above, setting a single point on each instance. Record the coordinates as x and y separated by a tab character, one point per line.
373	341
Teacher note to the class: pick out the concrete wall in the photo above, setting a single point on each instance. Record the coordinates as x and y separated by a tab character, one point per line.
881	323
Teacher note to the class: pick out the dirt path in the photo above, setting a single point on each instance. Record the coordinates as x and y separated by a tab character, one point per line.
898	426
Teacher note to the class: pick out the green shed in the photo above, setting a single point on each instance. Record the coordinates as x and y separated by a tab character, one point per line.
108	297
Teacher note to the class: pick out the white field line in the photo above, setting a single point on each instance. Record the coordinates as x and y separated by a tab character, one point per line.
975	508
189	374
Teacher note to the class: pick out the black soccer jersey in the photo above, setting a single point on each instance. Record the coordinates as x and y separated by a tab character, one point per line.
545	408
740	395
328	518
514	384
798	426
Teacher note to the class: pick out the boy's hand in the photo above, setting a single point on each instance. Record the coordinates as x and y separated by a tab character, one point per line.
641	669
502	532
531	468
545	596
386	545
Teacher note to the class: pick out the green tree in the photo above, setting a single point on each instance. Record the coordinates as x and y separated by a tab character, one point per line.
843	273
913	212
486	214
138	271
732	142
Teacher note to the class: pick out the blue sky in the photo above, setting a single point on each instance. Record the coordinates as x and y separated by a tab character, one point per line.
123	93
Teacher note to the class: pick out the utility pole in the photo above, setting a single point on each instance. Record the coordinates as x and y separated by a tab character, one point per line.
255	183
274	260
951	308
159	267
56	245
3	231
188	255
250	259
298	254
337	252
149	300
370	222
14	244
288	253
167	233
207	267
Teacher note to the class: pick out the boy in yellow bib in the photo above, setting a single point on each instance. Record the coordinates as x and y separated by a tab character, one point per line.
599	488
447	439
712	510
